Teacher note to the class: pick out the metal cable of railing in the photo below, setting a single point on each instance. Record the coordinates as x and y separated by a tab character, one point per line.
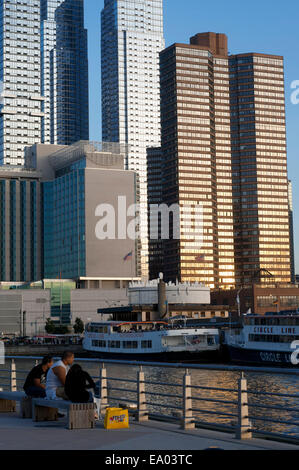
271	420
273	407
283	395
231	415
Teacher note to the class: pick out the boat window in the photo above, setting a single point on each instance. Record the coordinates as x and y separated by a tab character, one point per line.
273	338
98	343
98	329
130	344
146	344
114	344
211	340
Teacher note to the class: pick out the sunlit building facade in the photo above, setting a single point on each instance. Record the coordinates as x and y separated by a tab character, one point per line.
259	168
196	149
291	222
132	37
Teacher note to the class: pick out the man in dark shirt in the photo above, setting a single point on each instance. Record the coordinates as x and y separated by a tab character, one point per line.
35	384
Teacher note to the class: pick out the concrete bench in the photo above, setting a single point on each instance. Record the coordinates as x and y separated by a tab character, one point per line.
80	415
8	403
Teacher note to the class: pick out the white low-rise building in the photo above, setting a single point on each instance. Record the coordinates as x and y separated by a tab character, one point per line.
146	293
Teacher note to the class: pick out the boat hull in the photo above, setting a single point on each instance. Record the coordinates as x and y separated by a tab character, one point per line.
260	357
184	356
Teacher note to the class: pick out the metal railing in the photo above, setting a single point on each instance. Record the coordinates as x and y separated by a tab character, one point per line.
189	404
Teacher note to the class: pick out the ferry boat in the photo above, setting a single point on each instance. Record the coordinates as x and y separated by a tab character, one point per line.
156	341
272	338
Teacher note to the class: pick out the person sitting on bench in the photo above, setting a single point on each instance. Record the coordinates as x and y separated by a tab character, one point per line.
77	383
35	384
57	375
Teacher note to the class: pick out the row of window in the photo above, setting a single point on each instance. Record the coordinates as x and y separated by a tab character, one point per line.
123	344
273	338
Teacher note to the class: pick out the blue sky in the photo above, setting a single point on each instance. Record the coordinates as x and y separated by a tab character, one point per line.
266	26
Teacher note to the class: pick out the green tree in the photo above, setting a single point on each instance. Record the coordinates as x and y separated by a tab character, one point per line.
61	329
50	327
78	326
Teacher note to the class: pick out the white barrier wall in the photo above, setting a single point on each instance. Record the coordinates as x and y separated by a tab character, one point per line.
141	293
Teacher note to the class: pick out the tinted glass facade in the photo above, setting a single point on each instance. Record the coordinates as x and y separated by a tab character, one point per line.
64	226
132	37
64	72
20	225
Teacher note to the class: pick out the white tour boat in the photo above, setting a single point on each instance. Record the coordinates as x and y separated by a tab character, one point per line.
154	340
268	339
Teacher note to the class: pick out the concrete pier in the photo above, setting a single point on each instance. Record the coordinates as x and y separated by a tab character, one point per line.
20	434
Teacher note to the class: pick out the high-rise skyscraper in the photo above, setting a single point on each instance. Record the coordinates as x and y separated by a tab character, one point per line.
155	197
64	72
291	222
259	169
20	73
132	37
195	118
224	147
44	75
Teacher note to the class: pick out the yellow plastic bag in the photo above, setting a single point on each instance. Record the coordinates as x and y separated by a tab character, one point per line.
116	418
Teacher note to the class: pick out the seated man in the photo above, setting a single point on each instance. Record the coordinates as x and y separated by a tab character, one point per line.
35	384
57	375
77	385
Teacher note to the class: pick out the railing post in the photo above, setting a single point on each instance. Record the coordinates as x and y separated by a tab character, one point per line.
142	413
103	388
243	430
13	376
187	419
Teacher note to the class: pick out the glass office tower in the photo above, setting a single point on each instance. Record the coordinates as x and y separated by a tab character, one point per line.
259	169
132	37
64	72
43	74
196	159
21	103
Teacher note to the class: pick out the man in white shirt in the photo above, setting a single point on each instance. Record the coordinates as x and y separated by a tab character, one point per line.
56	377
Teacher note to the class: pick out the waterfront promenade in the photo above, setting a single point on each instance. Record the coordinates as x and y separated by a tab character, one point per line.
20	434
171	408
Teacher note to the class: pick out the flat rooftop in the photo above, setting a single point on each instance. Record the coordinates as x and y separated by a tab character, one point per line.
24	434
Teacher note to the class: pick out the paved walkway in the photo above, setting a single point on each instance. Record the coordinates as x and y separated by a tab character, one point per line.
20	434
